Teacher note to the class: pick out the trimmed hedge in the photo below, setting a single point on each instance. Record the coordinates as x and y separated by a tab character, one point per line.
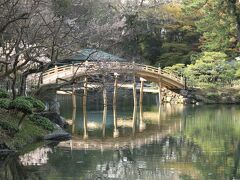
37	104
4	94
45	123
21	104
5	103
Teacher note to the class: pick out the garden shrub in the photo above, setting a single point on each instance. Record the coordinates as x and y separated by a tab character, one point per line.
4	94
5	103
37	104
43	122
21	104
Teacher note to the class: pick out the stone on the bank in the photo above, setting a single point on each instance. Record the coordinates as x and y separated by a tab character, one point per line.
58	135
55	118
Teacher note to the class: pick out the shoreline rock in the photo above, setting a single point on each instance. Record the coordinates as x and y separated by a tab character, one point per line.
55	118
58	135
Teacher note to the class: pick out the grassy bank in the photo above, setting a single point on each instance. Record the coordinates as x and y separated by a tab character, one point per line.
15	138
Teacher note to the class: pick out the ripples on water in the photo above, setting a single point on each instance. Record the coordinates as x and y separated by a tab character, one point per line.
184	142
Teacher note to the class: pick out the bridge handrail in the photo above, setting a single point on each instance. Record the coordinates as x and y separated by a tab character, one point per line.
131	66
160	71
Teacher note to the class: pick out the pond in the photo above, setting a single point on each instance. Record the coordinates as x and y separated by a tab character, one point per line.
170	142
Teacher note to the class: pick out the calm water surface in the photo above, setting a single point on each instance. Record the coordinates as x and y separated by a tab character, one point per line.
171	142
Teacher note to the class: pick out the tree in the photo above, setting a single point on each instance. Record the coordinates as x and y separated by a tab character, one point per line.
36	34
160	33
210	69
177	69
218	23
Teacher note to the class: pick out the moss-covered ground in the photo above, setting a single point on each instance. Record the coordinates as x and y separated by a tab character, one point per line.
14	137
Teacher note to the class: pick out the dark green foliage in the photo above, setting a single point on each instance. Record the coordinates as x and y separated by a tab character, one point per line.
174	53
27	104
37	104
171	58
45	123
217	23
150	47
22	105
213	96
175	47
4	94
8	127
4	103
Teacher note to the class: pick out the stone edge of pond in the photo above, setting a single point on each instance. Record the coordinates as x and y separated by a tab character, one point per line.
211	96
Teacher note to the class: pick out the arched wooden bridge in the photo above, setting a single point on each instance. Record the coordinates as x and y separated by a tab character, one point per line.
150	73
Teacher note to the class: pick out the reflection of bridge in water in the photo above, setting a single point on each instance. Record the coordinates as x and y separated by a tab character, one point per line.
146	129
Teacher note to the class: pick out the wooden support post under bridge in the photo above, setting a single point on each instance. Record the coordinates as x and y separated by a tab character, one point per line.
85	135
135	104
160	93
104	107
115	131
160	87
159	96
74	120
142	125
74	100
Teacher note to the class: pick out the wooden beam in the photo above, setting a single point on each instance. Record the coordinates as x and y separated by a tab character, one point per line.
74	100
160	92
135	105
115	131
104	107
141	91
74	120
85	129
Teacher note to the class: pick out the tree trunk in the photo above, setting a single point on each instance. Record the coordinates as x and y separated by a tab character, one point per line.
22	91
14	76
13	87
21	120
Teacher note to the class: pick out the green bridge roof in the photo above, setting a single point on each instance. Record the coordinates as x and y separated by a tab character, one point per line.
92	55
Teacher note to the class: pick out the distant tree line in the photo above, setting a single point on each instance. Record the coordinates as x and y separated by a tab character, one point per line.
35	34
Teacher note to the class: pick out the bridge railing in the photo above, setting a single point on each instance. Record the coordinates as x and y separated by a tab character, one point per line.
88	67
161	71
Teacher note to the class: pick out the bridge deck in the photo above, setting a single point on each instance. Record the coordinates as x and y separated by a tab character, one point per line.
150	73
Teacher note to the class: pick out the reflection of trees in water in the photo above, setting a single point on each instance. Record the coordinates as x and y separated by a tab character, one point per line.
134	165
216	132
36	158
147	162
11	169
144	163
25	166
